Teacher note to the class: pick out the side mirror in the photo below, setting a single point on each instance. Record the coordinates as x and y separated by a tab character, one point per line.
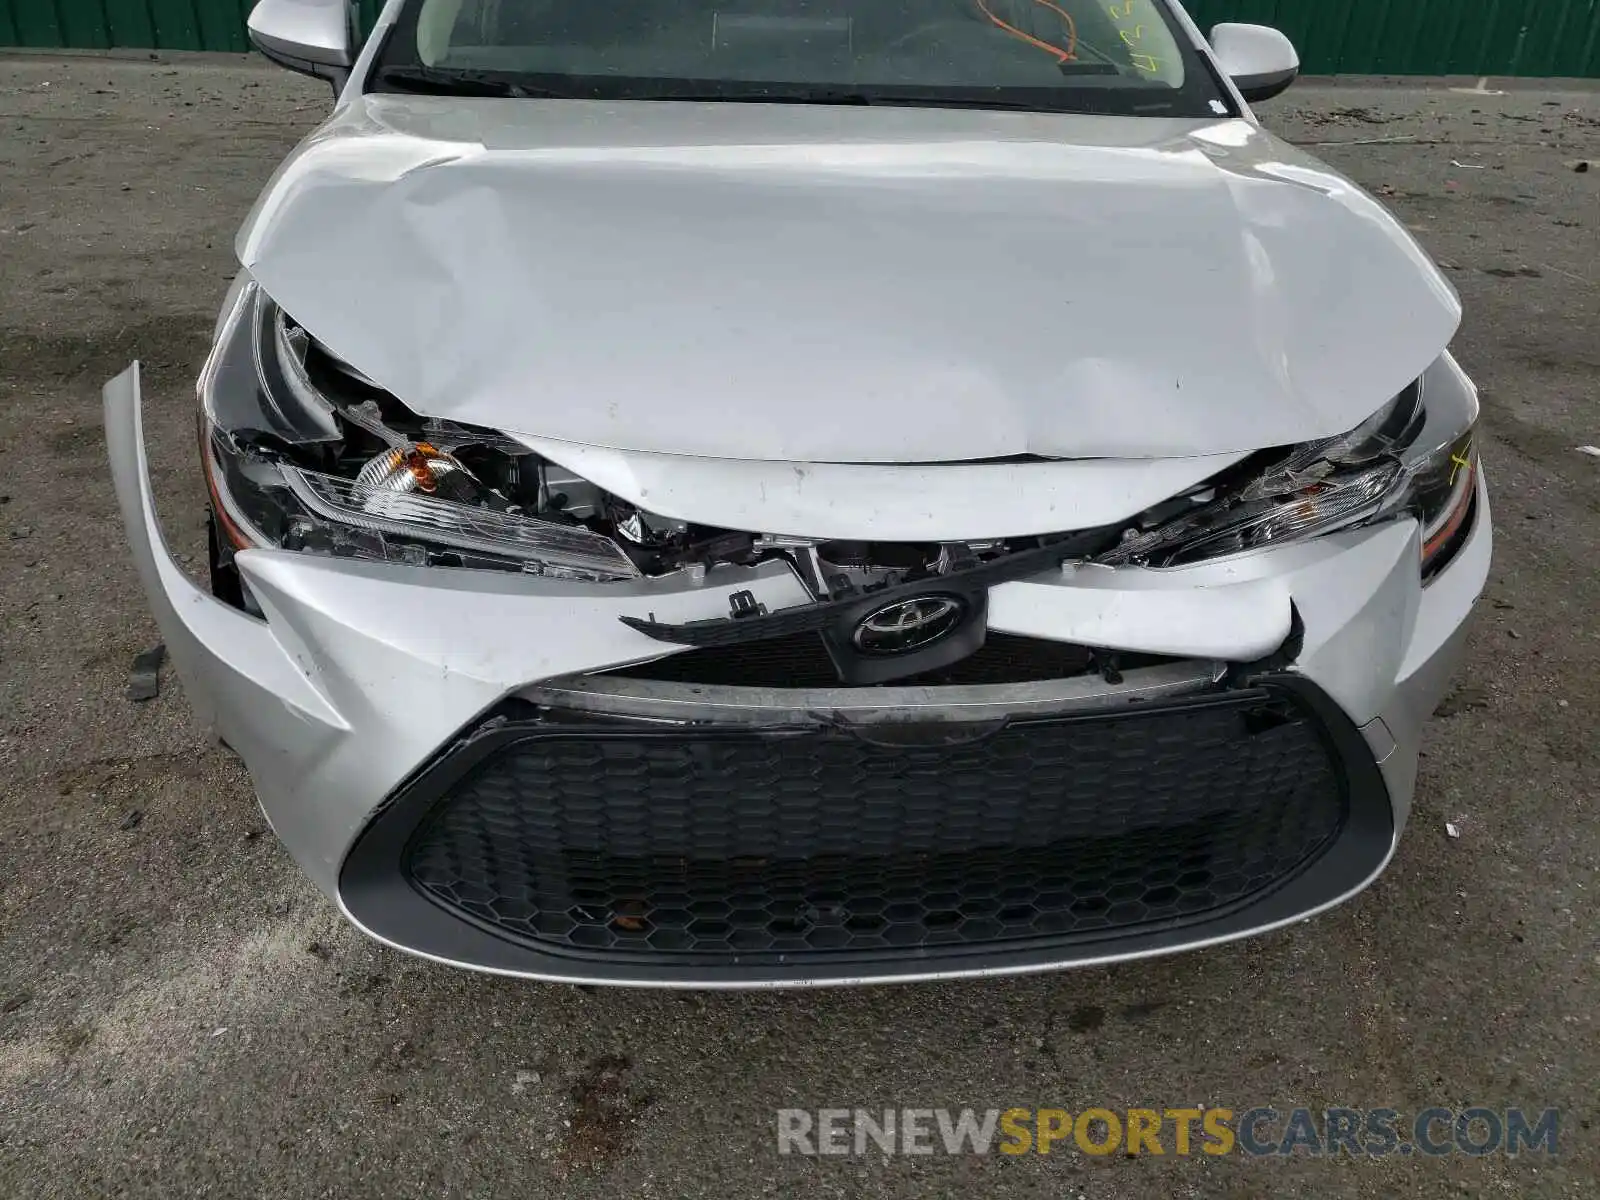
1260	60
309	36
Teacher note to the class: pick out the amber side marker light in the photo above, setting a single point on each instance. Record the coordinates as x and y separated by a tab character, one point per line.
1440	534
231	530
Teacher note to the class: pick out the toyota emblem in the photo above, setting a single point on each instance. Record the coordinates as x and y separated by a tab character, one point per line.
909	625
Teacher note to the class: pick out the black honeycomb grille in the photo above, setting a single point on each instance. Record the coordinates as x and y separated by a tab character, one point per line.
810	841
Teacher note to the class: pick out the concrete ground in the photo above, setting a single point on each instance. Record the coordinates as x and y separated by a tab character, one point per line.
180	1013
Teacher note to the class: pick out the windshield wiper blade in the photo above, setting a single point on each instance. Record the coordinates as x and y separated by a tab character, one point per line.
435	81
864	99
753	97
937	101
1081	66
438	81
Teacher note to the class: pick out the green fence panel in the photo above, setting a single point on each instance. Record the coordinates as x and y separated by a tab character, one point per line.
128	22
36	22
222	24
1399	37
1428	37
82	23
177	24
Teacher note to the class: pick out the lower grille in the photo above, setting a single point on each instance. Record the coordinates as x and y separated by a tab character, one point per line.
623	838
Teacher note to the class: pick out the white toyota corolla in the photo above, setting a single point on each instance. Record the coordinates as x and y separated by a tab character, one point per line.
765	492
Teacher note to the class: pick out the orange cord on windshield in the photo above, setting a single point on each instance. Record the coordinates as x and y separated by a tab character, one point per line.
1060	55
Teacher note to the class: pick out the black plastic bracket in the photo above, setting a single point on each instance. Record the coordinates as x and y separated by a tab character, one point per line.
973	580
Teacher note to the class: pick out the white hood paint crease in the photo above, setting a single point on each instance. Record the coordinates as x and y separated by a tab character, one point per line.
846	285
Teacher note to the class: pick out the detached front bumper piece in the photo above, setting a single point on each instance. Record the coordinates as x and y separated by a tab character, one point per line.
497	772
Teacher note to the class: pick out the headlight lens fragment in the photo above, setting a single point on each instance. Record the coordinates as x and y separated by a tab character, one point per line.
381	510
1377	470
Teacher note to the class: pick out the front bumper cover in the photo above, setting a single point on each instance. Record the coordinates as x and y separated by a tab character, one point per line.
362	675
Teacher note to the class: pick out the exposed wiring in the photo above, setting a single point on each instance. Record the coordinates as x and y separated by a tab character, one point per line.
1058	53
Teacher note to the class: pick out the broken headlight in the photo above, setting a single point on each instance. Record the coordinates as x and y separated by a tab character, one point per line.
1410	457
305	454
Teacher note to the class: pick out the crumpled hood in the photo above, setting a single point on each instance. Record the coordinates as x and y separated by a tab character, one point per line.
837	284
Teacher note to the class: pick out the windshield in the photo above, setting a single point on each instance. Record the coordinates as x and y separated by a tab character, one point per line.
1101	56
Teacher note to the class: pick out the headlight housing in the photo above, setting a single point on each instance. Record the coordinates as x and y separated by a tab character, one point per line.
1416	455
289	466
